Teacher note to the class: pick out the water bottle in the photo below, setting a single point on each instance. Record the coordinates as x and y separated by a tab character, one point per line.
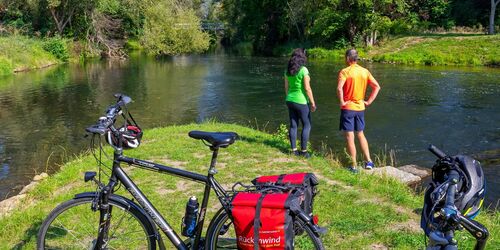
190	218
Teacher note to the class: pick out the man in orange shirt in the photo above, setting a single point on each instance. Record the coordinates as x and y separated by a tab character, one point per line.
351	90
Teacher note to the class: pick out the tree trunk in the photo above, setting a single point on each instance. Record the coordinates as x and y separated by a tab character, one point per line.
494	4
58	24
60	21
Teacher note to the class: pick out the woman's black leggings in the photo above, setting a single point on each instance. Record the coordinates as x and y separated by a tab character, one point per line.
299	112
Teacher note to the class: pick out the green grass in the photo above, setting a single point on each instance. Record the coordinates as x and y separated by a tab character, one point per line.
20	53
335	54
440	50
434	49
360	211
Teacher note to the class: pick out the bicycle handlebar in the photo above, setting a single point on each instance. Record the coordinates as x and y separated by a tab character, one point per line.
437	152
112	112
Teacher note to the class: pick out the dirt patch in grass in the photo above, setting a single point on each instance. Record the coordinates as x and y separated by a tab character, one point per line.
378	247
169	162
199	155
283	159
332	182
184	186
410	226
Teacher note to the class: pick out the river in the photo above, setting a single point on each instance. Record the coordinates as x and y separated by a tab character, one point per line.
43	113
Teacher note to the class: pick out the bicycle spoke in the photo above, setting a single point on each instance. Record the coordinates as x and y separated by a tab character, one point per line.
117	226
71	232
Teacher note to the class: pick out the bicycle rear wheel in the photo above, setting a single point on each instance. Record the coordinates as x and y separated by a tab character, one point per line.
221	234
74	225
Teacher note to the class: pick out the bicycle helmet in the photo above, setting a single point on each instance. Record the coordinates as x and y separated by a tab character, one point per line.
472	192
130	135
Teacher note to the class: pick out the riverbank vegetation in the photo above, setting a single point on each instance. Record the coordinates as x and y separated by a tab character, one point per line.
427	49
343	23
109	28
440	50
20	53
360	211
104	26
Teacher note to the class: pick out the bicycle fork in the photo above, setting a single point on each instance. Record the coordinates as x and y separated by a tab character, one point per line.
104	219
101	204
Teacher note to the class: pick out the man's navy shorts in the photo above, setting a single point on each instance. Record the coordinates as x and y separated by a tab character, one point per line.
351	120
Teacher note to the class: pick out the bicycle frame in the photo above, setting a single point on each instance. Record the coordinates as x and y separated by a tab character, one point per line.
119	175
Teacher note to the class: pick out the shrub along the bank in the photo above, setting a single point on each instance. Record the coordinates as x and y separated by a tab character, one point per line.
19	53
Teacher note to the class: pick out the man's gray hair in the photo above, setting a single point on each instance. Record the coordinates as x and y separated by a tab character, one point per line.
351	55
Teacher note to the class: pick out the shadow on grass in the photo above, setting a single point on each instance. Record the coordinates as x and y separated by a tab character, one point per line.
30	235
274	143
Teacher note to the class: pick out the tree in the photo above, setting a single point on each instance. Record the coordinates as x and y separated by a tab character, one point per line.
62	11
171	27
494	4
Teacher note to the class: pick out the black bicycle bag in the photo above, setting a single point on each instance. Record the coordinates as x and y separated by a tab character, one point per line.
301	184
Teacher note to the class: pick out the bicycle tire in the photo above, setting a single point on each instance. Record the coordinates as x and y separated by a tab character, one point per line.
221	235
74	225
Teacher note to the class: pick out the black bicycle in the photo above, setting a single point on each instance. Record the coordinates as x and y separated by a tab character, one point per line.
453	199
105	220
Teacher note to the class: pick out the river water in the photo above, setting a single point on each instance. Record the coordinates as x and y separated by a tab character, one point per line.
43	113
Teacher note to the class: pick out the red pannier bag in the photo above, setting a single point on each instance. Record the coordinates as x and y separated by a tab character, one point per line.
265	213
303	184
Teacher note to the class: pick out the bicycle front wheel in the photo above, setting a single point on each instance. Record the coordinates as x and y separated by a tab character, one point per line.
221	234
74	225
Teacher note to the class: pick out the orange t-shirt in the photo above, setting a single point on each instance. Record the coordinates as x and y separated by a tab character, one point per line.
356	80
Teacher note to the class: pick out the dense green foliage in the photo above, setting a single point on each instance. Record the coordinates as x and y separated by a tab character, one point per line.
57	47
170	27
173	32
337	24
359	211
165	27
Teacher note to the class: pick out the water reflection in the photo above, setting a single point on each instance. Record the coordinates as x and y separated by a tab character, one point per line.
43	113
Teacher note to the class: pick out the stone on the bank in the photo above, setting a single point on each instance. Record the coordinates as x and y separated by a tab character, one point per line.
40	177
10	204
416	170
395	173
28	187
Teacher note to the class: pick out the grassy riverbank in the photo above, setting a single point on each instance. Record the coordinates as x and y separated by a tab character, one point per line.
360	211
438	49
20	53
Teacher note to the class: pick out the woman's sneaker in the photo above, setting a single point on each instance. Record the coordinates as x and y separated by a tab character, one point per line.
305	154
369	165
353	170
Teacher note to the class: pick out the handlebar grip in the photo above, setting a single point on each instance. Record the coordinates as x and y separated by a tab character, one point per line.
96	129
436	151
112	111
101	127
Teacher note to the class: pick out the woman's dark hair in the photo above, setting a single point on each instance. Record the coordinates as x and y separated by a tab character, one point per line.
297	60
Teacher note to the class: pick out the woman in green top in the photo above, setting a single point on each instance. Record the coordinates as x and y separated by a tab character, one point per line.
298	98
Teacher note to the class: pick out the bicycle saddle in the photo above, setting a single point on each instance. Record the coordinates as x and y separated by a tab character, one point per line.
216	139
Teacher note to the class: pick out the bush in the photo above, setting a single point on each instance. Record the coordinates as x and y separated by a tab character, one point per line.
5	66
58	47
171	29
